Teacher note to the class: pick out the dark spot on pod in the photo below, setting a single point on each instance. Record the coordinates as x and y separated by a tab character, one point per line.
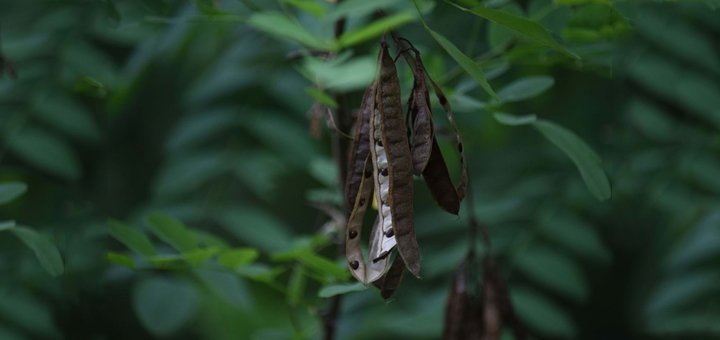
384	172
354	264
462	159
353	234
459	147
362	201
379	142
368	173
390	233
382	256
443	100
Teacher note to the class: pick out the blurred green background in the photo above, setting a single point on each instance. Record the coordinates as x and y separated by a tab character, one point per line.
157	169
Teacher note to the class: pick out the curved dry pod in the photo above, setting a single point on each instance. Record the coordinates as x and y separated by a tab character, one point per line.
362	271
421	114
360	146
388	130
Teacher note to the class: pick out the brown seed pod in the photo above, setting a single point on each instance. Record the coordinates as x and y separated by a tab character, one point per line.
393	135
362	271
420	112
360	146
438	180
392	279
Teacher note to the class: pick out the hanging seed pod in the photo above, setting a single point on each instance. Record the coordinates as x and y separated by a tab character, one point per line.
497	307
463	313
420	112
362	271
360	146
389	283
388	132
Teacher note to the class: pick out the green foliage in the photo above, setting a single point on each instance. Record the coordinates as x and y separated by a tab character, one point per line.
187	122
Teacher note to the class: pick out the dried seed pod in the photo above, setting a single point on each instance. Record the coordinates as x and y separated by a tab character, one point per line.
461	188
360	146
421	114
353	250
392	279
438	180
392	133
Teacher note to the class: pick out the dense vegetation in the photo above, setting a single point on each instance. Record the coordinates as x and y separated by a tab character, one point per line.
159	177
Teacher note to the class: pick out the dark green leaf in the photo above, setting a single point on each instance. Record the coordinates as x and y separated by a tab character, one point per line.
164	306
280	25
526	27
586	160
132	238
375	29
513	120
46	252
120	259
172	232
337	289
11	190
554	270
46	152
525	88
541	314
470	66
296	285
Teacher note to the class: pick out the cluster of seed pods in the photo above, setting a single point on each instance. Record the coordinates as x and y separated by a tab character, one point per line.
383	158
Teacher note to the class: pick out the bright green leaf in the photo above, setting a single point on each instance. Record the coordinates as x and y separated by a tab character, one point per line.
296	285
172	232
132	238
11	190
586	160
337	289
238	257
120	259
46	252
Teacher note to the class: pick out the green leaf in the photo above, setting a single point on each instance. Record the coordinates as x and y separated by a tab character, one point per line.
238	257
47	254
11	190
281	26
521	25
337	289
172	232
7	225
296	285
586	160
525	88
470	66
375	29
120	259
541	314
513	120
132	238
200	256
164	306
46	152
257	228
321	97
310	6
553	270
313	261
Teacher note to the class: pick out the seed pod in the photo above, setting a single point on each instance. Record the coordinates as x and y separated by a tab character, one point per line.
353	250
419	107
392	279
393	136
461	188
360	146
438	180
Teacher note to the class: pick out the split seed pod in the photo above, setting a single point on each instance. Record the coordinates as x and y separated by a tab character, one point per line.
388	133
360	146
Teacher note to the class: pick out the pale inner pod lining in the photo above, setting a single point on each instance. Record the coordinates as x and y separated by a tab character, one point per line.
382	244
